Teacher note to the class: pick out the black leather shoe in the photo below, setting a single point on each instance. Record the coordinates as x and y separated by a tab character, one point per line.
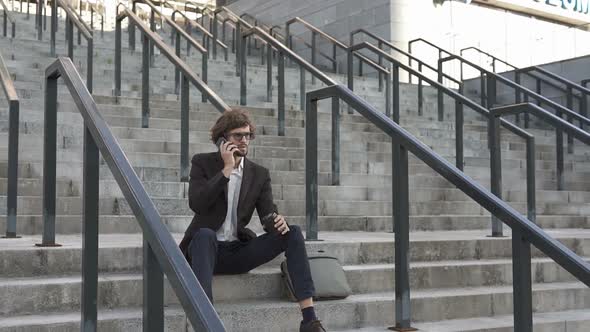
312	326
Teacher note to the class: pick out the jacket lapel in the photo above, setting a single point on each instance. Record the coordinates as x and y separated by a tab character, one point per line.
247	180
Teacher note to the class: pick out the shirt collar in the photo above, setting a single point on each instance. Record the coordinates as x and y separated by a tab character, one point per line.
240	168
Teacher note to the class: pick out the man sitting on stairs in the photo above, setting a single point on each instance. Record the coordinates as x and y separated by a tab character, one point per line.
224	189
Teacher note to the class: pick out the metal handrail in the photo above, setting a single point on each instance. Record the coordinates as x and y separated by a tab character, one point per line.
8	17
161	255
283	51
13	128
150	37
494	59
460	100
508	82
558	123
570	86
558	78
421	63
94	9
524	232
179	32
492	79
399	50
72	20
204	31
239	22
336	43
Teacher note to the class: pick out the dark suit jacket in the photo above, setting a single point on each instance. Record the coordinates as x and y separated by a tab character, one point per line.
208	196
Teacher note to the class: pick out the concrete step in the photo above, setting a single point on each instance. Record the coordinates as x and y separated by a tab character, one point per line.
355	311
122	253
111	224
558	321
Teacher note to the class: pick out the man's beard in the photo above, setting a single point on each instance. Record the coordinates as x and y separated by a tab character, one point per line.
241	153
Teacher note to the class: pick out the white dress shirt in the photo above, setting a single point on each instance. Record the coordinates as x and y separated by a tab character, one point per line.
229	230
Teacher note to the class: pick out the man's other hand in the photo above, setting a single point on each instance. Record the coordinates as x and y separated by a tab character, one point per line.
281	224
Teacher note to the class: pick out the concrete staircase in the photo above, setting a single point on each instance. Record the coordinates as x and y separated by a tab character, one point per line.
461	279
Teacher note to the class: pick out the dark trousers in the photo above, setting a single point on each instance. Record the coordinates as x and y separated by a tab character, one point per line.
209	257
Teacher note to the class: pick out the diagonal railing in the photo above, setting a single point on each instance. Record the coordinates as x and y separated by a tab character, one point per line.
13	128
568	90
491	80
161	256
524	231
421	64
460	102
336	44
178	31
189	24
187	76
72	20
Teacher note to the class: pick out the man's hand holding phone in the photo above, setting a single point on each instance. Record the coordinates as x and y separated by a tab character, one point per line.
227	150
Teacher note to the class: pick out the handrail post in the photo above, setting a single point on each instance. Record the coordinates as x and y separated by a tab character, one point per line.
268	73
482	87
118	57
517	94
151	43
239	42
79	32
459	131
388	93
530	179
53	28
281	94
302	87
145	82
395	98
12	185
491	91
440	101
89	63
559	157
350	74
243	70
153	291
335	63
131	28
420	91
184	129
335	141
90	232
176	70
522	288
204	73
401	203
49	163
214	32
313	55
495	168
70	34
5	23
380	61
570	105
40	4
311	169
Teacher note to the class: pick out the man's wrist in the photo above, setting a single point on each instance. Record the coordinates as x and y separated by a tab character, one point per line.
227	171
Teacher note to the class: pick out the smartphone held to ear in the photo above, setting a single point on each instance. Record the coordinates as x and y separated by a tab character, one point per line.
221	141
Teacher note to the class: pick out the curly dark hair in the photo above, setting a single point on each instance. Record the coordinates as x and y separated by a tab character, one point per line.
236	118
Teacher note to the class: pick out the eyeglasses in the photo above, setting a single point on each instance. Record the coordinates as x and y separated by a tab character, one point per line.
239	136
